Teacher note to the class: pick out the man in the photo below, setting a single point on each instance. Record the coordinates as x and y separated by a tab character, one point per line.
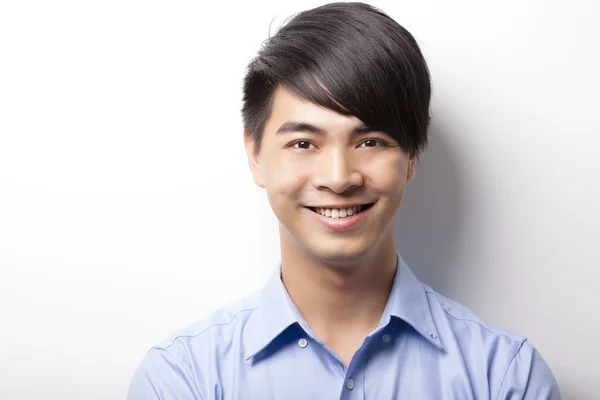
336	111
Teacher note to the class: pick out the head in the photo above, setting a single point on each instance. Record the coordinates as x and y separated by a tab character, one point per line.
335	113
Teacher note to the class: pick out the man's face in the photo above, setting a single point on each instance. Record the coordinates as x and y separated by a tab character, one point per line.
333	183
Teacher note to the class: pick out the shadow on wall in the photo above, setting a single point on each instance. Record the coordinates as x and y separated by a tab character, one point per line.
429	222
430	227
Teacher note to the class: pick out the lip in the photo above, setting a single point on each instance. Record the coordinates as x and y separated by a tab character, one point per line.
341	224
348	205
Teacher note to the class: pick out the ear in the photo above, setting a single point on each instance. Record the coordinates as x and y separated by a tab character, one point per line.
253	159
410	173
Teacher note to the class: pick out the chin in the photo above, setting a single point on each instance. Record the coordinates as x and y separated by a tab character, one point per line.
340	254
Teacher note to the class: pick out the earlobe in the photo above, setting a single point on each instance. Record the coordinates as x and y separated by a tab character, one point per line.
253	159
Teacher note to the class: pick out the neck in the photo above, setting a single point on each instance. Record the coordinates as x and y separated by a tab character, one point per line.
339	297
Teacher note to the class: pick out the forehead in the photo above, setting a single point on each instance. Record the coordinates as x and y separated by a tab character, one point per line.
286	106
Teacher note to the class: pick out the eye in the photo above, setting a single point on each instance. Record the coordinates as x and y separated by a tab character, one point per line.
373	143
301	144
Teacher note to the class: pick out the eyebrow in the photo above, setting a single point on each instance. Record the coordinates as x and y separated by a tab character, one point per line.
296	126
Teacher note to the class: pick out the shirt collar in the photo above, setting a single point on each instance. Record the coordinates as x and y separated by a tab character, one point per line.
271	317
275	311
408	301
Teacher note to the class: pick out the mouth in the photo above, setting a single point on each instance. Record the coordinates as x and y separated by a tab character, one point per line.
340	212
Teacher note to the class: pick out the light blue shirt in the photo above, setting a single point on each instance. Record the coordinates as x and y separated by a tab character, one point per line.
426	346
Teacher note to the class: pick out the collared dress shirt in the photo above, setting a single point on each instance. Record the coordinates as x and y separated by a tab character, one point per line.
426	346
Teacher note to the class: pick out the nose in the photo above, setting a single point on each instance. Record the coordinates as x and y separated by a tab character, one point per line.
336	171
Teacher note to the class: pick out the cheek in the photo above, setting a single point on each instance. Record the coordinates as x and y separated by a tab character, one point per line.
388	175
285	178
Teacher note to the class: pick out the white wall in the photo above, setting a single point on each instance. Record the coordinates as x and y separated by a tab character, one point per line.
127	210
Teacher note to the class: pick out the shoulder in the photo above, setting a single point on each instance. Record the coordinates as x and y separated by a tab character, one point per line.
195	354
181	365
510	361
465	323
214	332
481	345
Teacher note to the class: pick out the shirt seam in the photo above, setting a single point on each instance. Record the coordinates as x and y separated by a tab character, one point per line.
482	325
185	365
508	369
205	329
186	355
476	322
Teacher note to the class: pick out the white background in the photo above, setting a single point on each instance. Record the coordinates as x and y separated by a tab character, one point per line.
127	209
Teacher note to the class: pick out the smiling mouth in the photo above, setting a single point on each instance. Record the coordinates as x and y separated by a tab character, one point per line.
340	212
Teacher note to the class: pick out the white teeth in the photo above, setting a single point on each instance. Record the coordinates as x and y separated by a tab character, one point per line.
338	212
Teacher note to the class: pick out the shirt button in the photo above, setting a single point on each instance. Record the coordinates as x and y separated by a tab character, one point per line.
433	336
386	338
350	384
302	343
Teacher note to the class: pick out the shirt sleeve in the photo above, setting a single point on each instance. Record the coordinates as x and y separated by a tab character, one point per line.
528	377
163	376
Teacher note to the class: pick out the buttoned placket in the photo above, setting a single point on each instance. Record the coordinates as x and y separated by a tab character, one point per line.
354	378
354	381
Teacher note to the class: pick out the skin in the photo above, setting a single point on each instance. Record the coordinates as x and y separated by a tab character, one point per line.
340	281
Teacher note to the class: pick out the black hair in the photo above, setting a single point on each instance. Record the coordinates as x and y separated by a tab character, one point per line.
351	58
